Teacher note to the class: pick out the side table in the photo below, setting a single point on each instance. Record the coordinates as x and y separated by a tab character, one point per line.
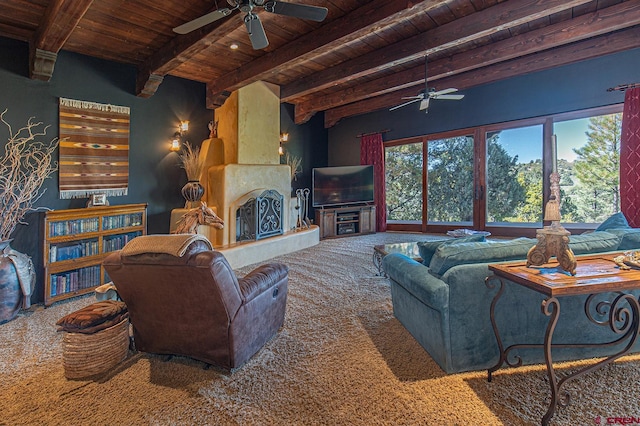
595	276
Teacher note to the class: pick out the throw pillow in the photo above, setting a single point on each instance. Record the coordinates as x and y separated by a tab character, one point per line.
448	256
93	318
595	242
428	248
630	238
616	220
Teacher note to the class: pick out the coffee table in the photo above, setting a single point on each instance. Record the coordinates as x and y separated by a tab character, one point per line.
595	275
380	251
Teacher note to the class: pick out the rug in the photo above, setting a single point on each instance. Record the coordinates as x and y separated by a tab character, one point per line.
340	359
94	149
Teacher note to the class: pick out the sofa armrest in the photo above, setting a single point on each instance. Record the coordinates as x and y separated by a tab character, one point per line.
262	279
415	278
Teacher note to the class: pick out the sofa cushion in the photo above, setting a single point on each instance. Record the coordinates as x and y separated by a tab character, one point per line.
594	242
448	256
616	220
428	248
629	237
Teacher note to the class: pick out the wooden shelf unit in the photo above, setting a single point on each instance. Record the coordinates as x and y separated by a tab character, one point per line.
77	241
346	221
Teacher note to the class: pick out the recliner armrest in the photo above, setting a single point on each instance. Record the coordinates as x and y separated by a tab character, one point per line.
261	279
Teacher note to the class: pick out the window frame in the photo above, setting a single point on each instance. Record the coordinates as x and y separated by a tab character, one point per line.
480	172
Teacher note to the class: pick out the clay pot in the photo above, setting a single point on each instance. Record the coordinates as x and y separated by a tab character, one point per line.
192	191
10	291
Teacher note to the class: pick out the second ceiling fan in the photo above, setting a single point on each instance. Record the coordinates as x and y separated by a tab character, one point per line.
252	21
429	93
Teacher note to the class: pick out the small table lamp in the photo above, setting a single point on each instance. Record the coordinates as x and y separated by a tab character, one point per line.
553	240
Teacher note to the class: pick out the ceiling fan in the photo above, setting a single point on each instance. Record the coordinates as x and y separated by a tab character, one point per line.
429	93
252	21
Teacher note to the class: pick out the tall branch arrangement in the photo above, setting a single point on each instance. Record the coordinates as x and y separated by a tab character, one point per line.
24	165
192	163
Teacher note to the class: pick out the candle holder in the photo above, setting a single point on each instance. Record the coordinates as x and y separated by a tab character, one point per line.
553	240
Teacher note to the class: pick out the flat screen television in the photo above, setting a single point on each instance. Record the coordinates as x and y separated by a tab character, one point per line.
342	185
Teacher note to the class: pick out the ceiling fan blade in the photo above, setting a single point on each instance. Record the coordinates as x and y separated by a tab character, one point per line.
443	92
256	31
420	96
303	11
202	21
404	104
424	104
452	97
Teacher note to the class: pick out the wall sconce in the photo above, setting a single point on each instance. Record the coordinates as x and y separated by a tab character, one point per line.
284	137
176	141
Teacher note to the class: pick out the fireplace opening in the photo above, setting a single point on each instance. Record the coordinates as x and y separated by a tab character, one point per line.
260	217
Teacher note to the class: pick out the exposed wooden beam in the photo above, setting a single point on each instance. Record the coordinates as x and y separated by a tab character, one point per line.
469	28
60	19
179	50
613	18
564	55
379	13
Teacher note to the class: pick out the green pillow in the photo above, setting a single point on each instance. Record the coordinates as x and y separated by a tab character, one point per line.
594	242
616	220
630	238
428	248
448	256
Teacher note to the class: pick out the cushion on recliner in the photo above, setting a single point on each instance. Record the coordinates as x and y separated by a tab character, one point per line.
448	256
428	248
616	220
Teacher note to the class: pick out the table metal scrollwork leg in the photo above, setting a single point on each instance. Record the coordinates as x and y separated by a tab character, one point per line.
377	262
490	283
551	307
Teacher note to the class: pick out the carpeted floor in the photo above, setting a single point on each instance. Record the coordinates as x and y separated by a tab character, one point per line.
341	359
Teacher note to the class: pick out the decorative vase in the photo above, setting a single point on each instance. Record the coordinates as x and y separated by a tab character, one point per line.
14	268
192	191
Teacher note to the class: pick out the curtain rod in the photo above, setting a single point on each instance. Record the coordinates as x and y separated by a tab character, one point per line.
372	133
623	87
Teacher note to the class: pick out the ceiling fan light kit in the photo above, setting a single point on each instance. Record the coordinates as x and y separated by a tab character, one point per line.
252	21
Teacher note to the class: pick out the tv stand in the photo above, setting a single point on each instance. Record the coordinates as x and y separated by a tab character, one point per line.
345	221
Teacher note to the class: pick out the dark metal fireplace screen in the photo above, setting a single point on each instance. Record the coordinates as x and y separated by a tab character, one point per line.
260	217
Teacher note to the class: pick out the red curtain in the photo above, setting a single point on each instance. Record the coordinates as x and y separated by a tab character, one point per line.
372	152
630	158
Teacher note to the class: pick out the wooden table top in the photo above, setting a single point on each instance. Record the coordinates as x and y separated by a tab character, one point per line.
594	274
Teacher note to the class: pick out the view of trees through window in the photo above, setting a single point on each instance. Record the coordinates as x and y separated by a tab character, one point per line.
588	164
514	175
589	167
450	180
403	166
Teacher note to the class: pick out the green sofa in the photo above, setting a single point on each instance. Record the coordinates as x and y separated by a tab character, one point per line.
445	305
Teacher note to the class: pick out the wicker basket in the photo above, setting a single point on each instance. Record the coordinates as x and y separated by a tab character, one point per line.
86	355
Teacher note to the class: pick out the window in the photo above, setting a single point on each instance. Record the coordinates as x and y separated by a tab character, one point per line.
497	177
450	180
589	167
514	175
403	168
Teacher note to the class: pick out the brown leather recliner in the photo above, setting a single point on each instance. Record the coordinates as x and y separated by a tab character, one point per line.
194	305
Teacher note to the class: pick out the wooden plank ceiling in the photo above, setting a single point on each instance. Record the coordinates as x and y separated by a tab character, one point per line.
366	55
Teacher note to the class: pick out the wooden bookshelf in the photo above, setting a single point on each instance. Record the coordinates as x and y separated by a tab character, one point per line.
77	241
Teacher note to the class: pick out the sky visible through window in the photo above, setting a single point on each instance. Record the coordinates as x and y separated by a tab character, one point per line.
526	142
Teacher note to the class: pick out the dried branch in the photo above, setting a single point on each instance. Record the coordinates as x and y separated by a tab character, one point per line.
25	164
295	163
192	163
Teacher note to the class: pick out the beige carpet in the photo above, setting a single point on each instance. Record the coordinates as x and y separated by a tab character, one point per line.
341	359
